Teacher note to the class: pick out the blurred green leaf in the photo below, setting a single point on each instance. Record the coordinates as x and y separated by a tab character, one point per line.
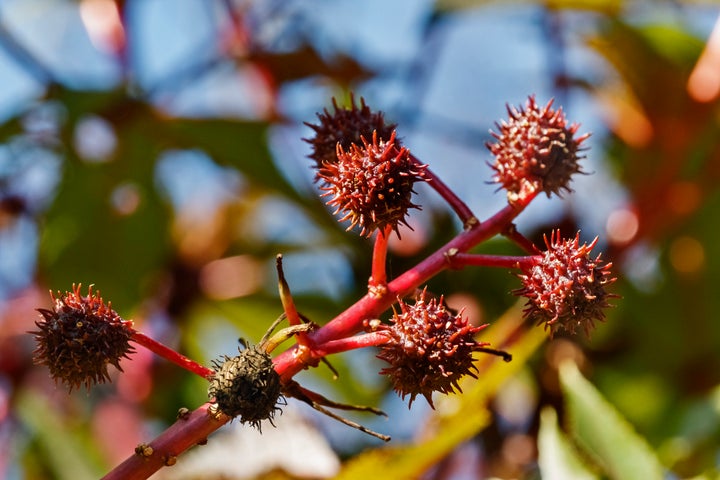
654	61
70	454
243	145
557	458
603	433
237	143
107	225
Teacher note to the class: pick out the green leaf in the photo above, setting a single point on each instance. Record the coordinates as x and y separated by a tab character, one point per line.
652	60
88	239
557	458
70	455
107	225
604	433
238	143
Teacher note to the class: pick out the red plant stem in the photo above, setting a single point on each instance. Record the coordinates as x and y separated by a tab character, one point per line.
371	339
461	209
512	233
370	306
171	355
460	260
332	338
378	277
181	435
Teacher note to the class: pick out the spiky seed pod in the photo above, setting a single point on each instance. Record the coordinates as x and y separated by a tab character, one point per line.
247	386
429	349
536	149
372	184
566	287
344	127
79	337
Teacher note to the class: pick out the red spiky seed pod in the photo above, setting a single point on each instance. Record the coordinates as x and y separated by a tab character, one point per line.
429	349
565	286
246	386
372	184
535	149
344	127
79	337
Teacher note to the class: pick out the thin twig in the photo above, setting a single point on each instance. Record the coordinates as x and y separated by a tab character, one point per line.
466	215
171	355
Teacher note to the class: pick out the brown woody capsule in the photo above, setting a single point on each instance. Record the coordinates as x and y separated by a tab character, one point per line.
344	127
79	337
247	386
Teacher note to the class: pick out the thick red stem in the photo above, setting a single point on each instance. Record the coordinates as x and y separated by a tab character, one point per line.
180	436
378	277
332	338
350	321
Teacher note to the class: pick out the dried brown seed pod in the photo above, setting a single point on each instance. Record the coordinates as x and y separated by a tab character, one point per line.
345	127
79	337
246	386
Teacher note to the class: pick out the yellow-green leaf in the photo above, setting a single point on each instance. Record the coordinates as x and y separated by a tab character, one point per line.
600	430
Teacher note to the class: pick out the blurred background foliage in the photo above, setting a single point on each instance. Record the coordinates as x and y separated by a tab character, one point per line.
154	149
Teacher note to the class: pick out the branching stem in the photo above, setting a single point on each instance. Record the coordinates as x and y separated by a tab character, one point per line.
351	320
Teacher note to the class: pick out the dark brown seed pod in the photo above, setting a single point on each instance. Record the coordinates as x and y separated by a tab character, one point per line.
247	386
79	337
429	349
566	288
344	127
535	149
